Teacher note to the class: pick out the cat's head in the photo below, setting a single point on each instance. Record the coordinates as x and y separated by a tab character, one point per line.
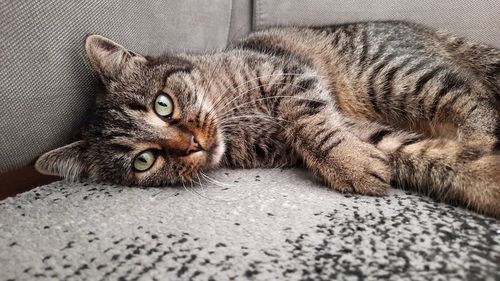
153	125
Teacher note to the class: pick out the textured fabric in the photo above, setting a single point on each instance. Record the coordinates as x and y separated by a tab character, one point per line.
478	20
46	84
264	224
241	20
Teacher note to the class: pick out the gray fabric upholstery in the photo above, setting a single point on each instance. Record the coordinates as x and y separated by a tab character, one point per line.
478	20
264	225
46	85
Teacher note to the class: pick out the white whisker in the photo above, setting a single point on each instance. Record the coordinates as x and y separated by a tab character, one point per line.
266	98
214	107
216	182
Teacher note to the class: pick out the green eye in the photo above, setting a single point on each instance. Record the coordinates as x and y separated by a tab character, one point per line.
164	106
144	161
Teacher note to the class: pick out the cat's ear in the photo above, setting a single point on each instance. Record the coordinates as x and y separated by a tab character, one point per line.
67	161
110	58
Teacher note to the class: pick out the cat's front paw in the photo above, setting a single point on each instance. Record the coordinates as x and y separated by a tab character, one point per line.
363	169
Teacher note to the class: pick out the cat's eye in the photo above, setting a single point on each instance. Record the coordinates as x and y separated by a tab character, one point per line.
164	106
144	161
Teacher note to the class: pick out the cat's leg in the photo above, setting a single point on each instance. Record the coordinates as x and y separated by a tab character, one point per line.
321	136
454	102
430	93
445	169
385	138
345	162
472	108
450	171
475	115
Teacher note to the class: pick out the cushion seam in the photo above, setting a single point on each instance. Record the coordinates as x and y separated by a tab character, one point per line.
231	5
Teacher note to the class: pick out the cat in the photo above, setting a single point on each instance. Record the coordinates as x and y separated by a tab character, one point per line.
361	105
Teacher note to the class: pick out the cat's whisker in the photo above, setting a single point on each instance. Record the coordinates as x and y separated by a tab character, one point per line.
260	77
196	193
216	104
246	125
216	182
239	125
255	115
193	190
231	119
249	90
267	98
199	181
185	188
204	178
227	89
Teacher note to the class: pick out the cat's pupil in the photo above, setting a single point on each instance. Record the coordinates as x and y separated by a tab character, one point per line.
162	104
142	160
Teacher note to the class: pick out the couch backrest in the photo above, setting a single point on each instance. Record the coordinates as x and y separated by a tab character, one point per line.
478	20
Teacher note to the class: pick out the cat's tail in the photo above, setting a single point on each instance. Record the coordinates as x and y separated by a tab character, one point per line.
450	171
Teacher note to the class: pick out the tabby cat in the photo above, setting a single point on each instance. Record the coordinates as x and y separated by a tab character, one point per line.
362	106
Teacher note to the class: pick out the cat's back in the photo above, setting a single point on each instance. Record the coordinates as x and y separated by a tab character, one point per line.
359	58
341	45
345	54
356	46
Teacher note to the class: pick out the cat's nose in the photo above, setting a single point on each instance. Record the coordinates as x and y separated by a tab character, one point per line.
194	145
183	145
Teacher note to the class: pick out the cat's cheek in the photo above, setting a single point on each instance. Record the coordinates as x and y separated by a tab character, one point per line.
216	152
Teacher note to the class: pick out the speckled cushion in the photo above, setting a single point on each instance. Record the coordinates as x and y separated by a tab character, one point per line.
260	225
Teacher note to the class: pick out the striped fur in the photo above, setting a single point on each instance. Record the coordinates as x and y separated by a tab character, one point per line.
361	105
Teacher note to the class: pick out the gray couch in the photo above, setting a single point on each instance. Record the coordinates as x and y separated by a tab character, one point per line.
260	224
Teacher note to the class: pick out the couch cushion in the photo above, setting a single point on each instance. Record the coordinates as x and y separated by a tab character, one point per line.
46	84
256	225
477	20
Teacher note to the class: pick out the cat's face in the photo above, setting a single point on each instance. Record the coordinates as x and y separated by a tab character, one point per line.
153	125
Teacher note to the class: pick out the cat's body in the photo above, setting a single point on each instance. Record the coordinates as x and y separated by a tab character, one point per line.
359	104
